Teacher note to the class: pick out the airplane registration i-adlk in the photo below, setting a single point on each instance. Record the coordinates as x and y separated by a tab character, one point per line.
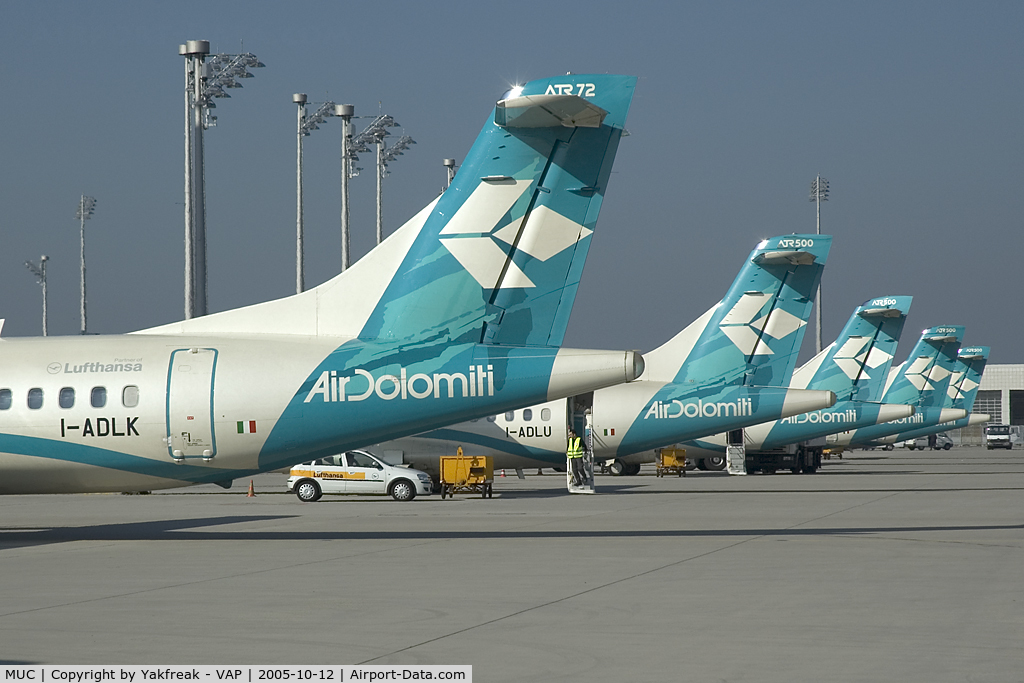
458	314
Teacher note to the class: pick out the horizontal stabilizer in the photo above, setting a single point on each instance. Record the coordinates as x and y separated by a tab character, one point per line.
887	412
881	313
799	401
951	414
580	370
978	418
796	258
548	111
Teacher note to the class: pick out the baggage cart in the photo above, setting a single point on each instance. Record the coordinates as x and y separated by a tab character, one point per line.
473	473
671	461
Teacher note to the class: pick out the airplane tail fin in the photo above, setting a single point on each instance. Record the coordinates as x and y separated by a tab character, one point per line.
753	335
856	364
963	386
923	378
498	257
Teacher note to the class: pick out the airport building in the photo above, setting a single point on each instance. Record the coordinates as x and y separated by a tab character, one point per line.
1002	394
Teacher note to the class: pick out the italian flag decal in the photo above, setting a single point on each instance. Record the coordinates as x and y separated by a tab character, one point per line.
609	432
246	427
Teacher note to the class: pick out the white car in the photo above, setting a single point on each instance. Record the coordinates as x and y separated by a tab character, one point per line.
356	472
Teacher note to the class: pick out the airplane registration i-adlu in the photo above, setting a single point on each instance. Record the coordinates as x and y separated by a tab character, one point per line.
457	315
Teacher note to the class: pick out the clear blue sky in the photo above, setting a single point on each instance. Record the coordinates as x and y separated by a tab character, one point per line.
912	110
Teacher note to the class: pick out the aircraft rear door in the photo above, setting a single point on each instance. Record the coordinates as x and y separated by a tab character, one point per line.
190	376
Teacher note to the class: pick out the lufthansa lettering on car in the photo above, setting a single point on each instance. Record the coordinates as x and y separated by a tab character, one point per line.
100	426
661	410
332	388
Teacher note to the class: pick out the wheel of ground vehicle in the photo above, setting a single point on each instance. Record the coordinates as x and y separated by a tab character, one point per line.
912	446
403	489
887	447
618	468
308	491
715	463
947	446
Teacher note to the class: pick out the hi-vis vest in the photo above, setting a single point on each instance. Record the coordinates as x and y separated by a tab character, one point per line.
575	450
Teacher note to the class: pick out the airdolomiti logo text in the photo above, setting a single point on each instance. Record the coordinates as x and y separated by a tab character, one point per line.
848	415
672	409
331	388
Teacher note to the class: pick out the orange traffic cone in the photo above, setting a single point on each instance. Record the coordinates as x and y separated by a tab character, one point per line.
252	491
503	473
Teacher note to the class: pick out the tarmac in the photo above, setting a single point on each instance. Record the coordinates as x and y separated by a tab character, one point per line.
883	566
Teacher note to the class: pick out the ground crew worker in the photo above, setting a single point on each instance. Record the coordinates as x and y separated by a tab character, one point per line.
574	453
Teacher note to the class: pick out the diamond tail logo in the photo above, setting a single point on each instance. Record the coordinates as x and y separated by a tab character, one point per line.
854	361
922	373
474	238
740	326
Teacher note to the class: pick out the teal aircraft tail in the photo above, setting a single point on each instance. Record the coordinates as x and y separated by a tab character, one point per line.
752	337
963	386
856	365
923	378
960	395
498	257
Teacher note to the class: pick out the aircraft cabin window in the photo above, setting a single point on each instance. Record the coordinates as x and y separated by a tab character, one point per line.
66	398
35	398
130	396
545	414
98	397
510	415
5	399
527	415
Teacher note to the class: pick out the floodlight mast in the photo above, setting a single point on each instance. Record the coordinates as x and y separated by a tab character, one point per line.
40	273
300	100
345	112
385	157
204	81
305	125
374	134
819	194
86	207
